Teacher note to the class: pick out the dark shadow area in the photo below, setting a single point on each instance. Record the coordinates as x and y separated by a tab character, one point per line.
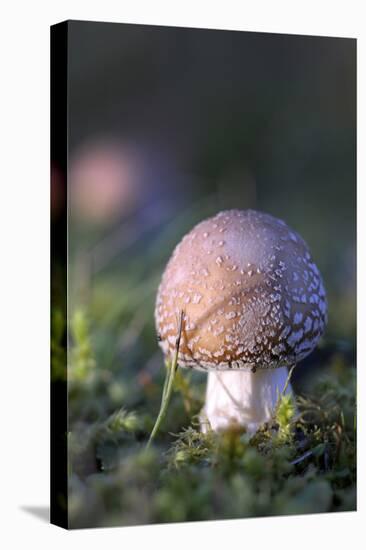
40	512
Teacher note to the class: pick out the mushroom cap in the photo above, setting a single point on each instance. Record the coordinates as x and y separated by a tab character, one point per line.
250	293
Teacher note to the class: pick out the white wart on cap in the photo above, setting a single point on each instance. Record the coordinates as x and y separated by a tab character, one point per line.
251	294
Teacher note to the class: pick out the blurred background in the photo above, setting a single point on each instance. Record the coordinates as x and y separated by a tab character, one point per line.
166	127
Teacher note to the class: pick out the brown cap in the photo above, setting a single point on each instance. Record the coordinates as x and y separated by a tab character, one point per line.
251	295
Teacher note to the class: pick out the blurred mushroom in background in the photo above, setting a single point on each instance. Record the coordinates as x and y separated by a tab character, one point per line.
104	182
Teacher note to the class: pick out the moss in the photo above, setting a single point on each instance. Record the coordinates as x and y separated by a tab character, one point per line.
304	461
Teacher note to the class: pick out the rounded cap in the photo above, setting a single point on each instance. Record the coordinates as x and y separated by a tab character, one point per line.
250	293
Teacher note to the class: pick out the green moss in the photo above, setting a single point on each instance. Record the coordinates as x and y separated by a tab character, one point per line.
304	461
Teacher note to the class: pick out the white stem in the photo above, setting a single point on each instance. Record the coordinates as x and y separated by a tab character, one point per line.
242	397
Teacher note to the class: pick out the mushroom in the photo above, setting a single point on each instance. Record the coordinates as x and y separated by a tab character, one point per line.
253	304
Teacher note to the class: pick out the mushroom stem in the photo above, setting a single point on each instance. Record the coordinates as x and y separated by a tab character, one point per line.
243	397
